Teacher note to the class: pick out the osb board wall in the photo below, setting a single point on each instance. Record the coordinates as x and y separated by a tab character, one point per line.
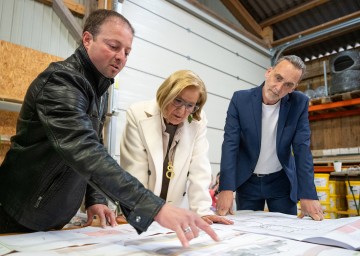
8	122
342	132
4	147
19	66
7	128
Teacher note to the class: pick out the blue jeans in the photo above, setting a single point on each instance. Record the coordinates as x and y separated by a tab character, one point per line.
273	188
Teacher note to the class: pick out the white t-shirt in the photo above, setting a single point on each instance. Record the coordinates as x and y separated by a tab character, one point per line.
268	160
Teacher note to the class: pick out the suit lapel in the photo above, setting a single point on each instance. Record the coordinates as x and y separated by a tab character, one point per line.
257	107
283	113
150	127
182	151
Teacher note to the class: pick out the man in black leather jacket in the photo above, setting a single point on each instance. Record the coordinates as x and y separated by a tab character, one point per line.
57	155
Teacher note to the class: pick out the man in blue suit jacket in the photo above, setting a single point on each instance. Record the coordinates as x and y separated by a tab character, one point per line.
266	152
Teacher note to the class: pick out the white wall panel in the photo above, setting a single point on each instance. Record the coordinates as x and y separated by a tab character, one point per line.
46	30
215	138
161	11
215	109
215	169
201	44
6	19
157	61
2	20
55	37
35	25
27	21
134	86
168	39
16	25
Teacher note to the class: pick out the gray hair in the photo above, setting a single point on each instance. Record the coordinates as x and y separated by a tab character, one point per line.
296	61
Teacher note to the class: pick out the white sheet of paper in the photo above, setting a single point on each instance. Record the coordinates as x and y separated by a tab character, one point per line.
328	231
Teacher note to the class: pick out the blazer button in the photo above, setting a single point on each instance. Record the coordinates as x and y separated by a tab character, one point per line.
138	219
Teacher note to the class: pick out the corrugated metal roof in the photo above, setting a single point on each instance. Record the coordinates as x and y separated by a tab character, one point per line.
319	14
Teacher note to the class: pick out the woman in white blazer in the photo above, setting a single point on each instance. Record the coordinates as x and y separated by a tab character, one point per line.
164	145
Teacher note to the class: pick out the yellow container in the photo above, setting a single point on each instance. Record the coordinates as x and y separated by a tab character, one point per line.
329	212
325	206
337	187
353	202
338	202
353	213
321	180
353	187
323	194
330	215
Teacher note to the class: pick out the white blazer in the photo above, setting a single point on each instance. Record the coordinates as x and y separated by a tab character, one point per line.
141	154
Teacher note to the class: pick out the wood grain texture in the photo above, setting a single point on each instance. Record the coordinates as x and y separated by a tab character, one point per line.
19	67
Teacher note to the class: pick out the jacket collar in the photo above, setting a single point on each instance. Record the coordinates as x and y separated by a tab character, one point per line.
257	110
100	83
283	116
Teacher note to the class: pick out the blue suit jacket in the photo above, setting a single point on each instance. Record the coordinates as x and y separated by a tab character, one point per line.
242	139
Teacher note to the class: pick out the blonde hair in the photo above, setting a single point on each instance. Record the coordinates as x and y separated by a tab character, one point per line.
175	84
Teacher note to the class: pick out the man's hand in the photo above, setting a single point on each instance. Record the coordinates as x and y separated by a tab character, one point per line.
106	215
224	203
185	223
210	219
311	208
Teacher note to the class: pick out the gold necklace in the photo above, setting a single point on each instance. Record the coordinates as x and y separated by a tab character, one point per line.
170	171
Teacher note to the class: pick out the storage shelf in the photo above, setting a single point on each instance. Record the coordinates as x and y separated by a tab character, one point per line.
5	139
325	164
10	105
342	108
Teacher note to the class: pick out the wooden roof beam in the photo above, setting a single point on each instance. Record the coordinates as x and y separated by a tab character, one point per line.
243	16
102	4
318	28
236	27
75	8
292	12
68	19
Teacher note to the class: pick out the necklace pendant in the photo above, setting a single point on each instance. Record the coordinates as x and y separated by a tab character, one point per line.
170	171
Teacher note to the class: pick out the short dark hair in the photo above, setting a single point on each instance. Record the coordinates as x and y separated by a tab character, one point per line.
98	17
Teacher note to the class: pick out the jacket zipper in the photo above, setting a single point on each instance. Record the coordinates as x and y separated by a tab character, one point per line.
38	202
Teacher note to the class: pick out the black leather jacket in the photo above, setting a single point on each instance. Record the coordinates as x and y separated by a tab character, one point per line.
57	152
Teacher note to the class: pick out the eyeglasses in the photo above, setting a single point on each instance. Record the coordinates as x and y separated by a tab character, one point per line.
190	107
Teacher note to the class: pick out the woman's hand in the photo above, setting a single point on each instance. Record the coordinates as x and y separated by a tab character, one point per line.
210	219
